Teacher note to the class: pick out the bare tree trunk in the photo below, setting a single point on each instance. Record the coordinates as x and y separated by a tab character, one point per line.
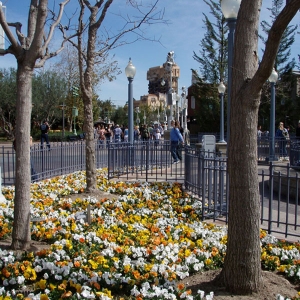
242	270
90	141
21	236
242	267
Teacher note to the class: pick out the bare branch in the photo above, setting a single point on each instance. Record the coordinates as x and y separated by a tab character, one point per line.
55	24
275	35
32	19
7	30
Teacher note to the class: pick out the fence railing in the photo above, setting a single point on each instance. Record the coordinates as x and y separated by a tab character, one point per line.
202	174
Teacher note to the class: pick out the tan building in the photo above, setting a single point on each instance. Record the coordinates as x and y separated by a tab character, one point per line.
158	87
156	75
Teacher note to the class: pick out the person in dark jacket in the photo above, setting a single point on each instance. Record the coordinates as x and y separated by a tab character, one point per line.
44	134
176	142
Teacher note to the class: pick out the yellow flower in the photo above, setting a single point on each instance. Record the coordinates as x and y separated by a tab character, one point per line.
44	297
41	284
93	264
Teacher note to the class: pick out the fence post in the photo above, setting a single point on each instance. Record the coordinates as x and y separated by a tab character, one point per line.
2	198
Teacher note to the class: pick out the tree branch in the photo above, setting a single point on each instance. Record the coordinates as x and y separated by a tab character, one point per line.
272	44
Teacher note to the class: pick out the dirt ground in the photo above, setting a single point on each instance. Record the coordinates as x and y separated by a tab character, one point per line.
272	283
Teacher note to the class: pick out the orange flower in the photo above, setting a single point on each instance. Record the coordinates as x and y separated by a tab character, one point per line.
77	264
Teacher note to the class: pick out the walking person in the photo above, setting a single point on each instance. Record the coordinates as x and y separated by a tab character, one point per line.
118	134
156	136
101	136
145	135
126	134
44	134
176	142
283	136
136	133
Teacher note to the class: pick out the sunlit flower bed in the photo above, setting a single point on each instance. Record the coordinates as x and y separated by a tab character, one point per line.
138	245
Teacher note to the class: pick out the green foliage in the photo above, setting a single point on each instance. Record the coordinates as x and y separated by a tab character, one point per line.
283	63
287	109
213	47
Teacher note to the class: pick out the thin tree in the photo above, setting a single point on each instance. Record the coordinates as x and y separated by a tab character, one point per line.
242	267
95	51
31	52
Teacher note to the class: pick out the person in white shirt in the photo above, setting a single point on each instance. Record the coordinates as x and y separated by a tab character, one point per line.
157	136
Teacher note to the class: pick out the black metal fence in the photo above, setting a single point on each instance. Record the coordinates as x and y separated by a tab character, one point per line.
148	161
202	174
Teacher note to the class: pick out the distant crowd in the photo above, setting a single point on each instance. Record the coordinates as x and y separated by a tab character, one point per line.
115	133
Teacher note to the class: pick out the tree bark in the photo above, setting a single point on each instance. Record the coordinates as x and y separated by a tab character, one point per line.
21	236
242	268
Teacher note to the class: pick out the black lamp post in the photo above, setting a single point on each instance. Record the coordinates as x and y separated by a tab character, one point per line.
221	90
272	79
230	9
130	73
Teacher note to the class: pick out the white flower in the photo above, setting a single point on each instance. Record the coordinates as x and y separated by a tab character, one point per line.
21	279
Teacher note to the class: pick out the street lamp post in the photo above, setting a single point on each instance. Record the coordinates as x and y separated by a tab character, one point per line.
63	106
230	9
169	66
137	110
183	108
221	90
130	72
165	106
74	114
272	79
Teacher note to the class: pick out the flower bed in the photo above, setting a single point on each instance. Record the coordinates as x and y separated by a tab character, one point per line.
140	243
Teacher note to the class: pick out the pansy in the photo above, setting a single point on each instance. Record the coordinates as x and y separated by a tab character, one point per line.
140	242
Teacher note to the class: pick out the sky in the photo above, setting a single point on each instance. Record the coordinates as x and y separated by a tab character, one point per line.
182	35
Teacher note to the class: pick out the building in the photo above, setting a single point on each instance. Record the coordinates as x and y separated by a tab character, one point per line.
159	85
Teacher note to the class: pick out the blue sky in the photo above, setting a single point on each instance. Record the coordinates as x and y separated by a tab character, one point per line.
182	35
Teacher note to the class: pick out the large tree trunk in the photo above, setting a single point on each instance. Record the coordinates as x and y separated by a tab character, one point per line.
242	270
21	236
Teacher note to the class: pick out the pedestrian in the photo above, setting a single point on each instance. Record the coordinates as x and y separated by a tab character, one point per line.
108	135
145	135
259	132
283	136
126	134
117	134
101	135
157	136
176	142
44	134
136	133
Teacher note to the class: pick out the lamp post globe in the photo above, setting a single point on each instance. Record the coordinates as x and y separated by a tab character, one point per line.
274	76
230	8
221	88
130	70
130	73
